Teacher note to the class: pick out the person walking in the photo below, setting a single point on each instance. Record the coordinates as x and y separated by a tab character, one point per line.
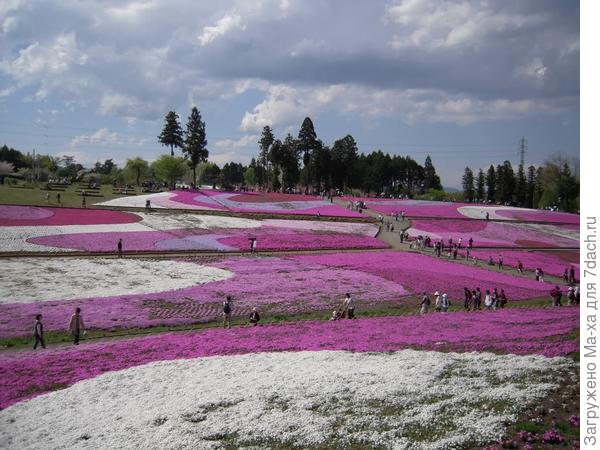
495	299
58	198
571	295
572	275
470	243
120	248
438	301
349	306
38	332
254	317
541	275
445	302
477	300
503	299
468	299
227	308
566	275
537	274
500	261
520	267
254	245
425	303
488	299
76	326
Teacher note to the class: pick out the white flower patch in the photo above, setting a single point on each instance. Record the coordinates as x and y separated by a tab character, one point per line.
13	239
364	229
30	280
157	200
569	233
162	221
478	212
407	399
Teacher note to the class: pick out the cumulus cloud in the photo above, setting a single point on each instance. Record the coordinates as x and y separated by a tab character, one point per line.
104	138
456	60
223	26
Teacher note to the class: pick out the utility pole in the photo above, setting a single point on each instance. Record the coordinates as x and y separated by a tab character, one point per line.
522	150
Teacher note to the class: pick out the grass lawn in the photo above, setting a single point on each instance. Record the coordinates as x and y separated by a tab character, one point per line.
70	197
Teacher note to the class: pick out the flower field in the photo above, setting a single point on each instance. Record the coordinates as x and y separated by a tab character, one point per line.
291	285
300	399
457	210
514	331
172	231
250	202
433	381
496	234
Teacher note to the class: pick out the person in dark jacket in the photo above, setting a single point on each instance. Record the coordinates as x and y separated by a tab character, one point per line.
38	332
254	317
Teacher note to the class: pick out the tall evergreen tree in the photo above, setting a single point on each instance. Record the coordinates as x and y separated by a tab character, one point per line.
432	181
468	185
490	181
480	186
521	189
307	142
171	135
265	143
195	141
538	190
530	188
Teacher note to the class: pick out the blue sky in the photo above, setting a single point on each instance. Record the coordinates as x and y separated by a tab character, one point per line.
462	81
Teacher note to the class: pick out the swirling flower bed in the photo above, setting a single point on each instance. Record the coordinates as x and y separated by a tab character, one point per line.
268	238
180	231
291	285
263	203
426	208
15	216
523	331
495	234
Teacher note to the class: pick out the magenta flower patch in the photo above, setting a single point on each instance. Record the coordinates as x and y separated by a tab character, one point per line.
518	331
12	215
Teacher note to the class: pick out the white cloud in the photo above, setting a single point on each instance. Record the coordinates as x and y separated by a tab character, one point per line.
42	59
535	70
221	159
430	24
223	26
243	142
9	24
286	105
130	11
105	138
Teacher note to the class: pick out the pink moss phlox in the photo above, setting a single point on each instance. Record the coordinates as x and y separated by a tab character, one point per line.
11	215
520	331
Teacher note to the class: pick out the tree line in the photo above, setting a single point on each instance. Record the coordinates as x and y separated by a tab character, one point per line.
305	161
551	185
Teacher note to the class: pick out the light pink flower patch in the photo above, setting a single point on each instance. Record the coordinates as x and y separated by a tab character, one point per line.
491	234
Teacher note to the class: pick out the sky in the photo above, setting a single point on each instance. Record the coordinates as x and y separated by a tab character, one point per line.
461	81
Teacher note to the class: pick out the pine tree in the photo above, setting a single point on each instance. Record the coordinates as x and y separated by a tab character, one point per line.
432	181
265	143
307	142
468	185
171	135
521	190
531	176
195	141
490	182
480	186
